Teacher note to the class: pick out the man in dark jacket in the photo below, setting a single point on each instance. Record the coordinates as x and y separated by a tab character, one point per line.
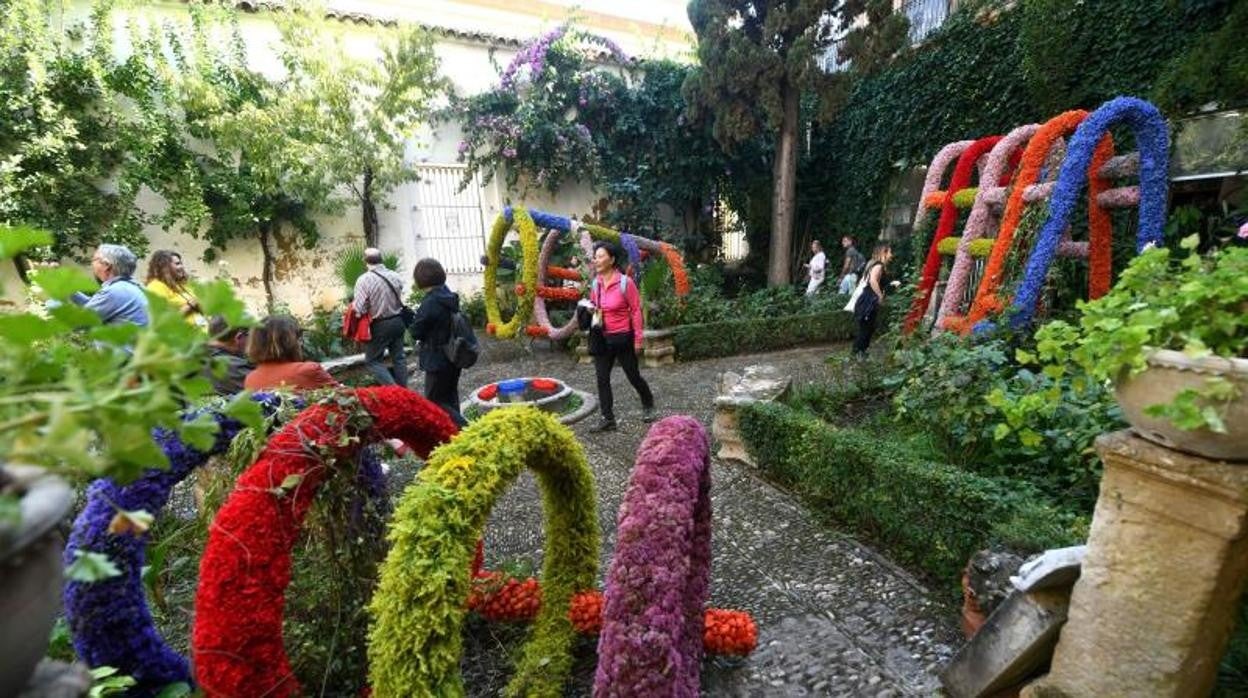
227	350
432	329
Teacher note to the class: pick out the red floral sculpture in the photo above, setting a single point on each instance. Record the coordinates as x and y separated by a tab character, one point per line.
962	174
729	633
237	639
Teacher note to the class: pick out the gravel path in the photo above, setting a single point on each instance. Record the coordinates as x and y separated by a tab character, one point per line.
835	617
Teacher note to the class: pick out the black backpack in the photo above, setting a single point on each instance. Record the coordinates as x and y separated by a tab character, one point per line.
461	348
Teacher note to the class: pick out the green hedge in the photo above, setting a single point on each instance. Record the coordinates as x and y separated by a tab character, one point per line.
760	334
928	515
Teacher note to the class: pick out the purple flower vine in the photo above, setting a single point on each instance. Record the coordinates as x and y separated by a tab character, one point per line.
1151	135
651	641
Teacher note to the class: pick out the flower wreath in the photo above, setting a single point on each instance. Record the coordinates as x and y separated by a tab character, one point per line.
651	641
415	641
239	606
962	174
528	273
1084	157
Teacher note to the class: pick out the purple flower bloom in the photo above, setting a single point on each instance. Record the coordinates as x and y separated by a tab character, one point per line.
509	152
463	147
651	641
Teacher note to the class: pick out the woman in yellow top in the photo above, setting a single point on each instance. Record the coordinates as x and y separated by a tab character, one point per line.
166	277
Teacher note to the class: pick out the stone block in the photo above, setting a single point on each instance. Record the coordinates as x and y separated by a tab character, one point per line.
758	383
1016	642
1156	600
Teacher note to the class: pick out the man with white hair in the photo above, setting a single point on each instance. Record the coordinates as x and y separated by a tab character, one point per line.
120	298
378	294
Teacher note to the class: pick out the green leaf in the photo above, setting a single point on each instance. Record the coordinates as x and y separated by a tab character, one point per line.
134	523
175	690
62	282
245	410
16	240
10	512
218	298
1000	432
89	567
290	482
1191	242
199	433
26	328
75	316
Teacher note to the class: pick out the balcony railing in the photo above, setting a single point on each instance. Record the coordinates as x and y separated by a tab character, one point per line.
925	17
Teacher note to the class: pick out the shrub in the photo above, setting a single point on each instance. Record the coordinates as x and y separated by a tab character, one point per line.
926	514
730	337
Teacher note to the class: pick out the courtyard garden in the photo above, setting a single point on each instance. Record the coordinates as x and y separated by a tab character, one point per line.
1042	279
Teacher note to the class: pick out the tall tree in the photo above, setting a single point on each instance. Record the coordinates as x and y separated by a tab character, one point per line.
757	60
355	115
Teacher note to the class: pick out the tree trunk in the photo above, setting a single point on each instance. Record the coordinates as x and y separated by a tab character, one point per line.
783	200
371	223
266	254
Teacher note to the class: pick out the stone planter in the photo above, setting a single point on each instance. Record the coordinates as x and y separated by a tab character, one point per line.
1168	374
30	574
761	383
660	347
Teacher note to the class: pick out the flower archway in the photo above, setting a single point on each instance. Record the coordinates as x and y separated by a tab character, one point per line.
1082	166
415	642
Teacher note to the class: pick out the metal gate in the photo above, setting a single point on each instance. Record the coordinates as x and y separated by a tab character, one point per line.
449	224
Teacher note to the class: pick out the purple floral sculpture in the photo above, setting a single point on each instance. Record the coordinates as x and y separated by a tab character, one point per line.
982	219
651	641
109	620
629	243
1149	128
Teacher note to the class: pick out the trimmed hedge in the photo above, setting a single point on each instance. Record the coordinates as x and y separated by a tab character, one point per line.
928	515
760	334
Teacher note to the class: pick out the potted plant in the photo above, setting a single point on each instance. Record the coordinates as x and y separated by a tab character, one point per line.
1172	336
79	400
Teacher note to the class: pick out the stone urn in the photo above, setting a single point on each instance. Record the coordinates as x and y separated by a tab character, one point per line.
30	571
1168	374
660	347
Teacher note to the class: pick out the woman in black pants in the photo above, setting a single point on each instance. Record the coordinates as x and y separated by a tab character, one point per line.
867	309
432	328
617	309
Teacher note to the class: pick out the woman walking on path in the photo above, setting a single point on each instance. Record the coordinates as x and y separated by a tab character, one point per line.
867	309
617	311
432	328
167	278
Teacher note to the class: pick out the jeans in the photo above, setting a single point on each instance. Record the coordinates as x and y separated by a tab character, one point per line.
847	284
619	346
388	336
442	389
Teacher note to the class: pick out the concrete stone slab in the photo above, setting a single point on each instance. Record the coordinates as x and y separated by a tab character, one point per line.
1015	642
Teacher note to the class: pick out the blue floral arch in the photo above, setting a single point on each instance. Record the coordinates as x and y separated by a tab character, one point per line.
1149	127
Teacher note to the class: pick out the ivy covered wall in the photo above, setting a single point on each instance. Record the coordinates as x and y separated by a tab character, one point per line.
989	69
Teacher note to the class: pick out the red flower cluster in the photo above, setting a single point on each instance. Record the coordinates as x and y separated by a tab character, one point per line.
489	392
567	294
545	385
536	331
585	612
729	633
491	328
237	638
563	273
502	598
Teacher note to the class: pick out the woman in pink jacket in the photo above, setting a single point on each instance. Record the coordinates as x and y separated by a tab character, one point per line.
617	307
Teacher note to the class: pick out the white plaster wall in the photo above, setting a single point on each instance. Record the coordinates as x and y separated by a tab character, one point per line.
305	279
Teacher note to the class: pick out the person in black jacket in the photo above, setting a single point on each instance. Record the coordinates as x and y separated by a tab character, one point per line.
432	328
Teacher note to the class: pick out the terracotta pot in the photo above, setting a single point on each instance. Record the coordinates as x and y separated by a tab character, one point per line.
30	575
1169	373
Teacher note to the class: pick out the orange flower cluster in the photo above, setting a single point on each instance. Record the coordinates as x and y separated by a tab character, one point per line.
535	331
676	263
563	273
502	598
585	612
729	633
568	294
935	199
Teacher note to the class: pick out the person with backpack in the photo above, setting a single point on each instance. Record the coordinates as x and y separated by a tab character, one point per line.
617	320
378	294
447	345
852	267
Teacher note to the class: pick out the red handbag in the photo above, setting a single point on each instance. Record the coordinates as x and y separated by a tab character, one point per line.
356	326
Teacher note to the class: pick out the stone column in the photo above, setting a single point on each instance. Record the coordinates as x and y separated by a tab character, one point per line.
1167	554
760	383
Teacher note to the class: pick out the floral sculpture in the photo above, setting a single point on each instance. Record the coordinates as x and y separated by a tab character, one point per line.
1034	158
932	195
962	174
237	638
982	221
1083	162
534	290
415	642
651	641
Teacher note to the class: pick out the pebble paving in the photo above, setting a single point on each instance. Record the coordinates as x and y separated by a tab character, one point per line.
835	617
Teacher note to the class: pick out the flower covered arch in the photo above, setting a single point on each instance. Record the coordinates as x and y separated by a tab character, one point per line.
415	640
1080	166
239	606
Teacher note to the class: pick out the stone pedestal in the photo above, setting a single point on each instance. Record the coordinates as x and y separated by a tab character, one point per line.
660	348
582	349
1167	555
759	383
